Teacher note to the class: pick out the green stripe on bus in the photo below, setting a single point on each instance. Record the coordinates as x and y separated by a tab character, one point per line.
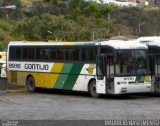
63	76
140	78
72	78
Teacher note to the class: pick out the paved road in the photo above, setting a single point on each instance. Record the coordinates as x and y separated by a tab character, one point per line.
18	104
21	105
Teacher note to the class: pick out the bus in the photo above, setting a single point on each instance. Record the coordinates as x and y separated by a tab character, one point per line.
146	39
3	65
153	43
107	67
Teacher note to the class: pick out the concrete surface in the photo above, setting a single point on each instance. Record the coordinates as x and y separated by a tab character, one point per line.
21	105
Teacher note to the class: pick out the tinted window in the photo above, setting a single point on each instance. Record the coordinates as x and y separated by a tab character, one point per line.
53	54
12	53
89	54
57	54
42	53
25	53
106	50
28	53
18	53
31	53
72	54
60	54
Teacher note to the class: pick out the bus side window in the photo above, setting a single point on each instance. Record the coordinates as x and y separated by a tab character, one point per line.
31	53
12	52
42	54
72	54
60	54
28	53
53	54
25	53
89	54
45	54
18	53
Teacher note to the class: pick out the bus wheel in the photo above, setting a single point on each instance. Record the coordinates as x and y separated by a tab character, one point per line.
92	90
31	84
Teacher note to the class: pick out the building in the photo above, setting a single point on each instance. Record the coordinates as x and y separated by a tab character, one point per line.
127	3
154	1
117	3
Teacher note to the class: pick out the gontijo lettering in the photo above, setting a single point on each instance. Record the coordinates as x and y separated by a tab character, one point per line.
36	66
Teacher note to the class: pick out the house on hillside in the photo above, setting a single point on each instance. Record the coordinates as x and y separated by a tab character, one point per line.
119	3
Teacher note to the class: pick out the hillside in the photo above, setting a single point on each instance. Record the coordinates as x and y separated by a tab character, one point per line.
76	20
26	1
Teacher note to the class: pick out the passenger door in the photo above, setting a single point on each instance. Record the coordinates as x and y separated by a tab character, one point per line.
104	69
109	74
100	73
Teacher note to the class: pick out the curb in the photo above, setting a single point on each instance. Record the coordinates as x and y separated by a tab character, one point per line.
3	91
17	91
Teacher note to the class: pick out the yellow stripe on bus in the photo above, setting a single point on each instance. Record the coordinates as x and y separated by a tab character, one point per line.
48	80
57	67
69	43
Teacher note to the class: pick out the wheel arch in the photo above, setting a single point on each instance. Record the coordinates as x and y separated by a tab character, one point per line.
29	77
90	81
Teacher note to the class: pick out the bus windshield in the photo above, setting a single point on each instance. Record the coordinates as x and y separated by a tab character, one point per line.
132	62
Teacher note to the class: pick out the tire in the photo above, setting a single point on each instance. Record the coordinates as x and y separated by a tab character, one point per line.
31	84
92	90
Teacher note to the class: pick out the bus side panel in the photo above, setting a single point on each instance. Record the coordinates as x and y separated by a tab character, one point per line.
68	76
9	76
17	78
42	80
73	76
21	78
86	74
48	80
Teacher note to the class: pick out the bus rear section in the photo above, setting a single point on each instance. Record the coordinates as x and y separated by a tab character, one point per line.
154	57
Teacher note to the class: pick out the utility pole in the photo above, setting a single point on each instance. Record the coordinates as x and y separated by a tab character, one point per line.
6	2
140	22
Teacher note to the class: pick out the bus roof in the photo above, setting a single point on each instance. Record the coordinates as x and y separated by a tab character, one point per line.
120	44
56	43
148	39
155	43
116	44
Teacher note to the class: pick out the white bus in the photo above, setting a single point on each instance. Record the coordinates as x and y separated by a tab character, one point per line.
107	67
146	39
153	43
3	64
